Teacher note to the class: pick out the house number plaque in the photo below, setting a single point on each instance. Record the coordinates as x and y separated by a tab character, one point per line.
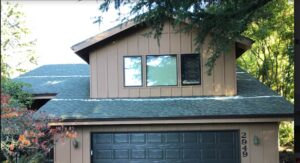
244	142
244	145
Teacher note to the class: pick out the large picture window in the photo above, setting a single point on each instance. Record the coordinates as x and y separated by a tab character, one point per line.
190	69
161	70
133	71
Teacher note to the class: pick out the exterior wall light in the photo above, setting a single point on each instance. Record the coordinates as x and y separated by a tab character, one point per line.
256	140
75	143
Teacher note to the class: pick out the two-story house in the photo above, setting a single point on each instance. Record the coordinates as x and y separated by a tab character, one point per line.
140	101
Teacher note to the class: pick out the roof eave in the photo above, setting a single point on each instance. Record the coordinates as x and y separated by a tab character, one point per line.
242	44
99	37
83	48
173	120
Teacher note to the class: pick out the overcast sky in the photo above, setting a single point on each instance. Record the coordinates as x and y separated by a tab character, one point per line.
57	25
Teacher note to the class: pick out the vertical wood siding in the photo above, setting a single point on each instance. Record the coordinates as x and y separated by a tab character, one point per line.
113	76
93	77
63	151
230	82
107	80
77	151
265	152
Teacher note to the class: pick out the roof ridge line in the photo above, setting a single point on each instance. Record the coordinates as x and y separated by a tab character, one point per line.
166	99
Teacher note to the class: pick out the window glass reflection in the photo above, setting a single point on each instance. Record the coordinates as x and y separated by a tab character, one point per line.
133	71
161	70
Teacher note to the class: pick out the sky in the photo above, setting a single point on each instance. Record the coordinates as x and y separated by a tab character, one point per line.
58	25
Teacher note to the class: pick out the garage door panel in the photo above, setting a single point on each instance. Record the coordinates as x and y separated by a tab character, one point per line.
138	153
173	153
155	153
138	138
226	154
121	138
172	137
102	139
226	138
121	154
166	147
209	154
103	154
217	146
190	138
207	138
191	154
154	138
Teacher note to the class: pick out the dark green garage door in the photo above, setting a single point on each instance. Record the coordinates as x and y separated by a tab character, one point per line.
166	147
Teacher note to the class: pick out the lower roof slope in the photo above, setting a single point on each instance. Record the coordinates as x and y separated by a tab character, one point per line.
72	103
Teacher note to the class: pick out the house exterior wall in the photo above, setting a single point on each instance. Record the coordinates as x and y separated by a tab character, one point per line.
265	152
106	67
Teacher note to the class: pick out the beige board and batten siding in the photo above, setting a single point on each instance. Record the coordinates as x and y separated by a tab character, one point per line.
106	67
265	152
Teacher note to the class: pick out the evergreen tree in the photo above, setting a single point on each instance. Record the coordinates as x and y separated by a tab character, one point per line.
223	20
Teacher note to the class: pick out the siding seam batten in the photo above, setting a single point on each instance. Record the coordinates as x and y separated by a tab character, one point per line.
97	84
138	51
107	85
118	80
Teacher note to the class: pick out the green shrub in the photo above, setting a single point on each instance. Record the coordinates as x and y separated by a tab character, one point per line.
286	134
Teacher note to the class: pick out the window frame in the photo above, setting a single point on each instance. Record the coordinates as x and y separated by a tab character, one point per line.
146	77
124	84
200	77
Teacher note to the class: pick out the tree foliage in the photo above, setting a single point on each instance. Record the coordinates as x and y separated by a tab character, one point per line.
286	135
224	21
271	58
17	48
25	133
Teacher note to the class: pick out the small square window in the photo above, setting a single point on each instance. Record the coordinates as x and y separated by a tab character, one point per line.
161	70
190	69
132	71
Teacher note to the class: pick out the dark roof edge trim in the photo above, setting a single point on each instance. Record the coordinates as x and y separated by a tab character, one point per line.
103	35
43	96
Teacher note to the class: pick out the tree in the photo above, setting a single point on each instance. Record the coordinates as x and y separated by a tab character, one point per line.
224	21
25	134
271	58
17	48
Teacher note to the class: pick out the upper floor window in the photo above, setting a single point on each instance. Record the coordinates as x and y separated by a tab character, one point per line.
132	71
190	69
161	70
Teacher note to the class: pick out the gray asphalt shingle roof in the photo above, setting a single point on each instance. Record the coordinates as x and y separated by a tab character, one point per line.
71	84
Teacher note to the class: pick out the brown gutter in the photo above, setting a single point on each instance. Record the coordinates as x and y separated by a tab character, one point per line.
174	120
170	121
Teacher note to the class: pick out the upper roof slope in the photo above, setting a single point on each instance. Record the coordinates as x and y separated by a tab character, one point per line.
72	102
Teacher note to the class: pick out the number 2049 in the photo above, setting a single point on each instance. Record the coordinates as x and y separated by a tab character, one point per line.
244	144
